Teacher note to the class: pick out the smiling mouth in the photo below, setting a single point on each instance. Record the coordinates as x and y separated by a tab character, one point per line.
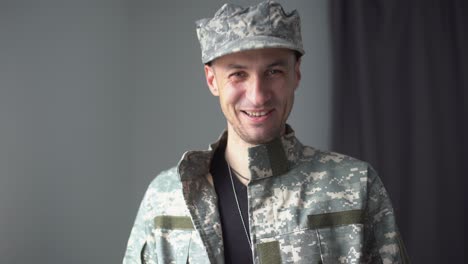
257	113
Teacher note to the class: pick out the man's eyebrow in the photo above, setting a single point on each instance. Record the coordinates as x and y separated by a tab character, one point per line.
235	66
280	62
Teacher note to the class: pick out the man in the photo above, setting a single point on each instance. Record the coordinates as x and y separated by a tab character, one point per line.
258	195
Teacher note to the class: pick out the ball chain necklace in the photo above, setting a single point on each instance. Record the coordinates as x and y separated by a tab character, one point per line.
237	201
240	175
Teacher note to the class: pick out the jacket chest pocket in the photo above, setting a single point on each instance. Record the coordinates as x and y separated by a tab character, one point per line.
342	244
172	235
340	235
299	247
330	238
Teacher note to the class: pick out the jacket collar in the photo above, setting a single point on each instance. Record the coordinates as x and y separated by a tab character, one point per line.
271	159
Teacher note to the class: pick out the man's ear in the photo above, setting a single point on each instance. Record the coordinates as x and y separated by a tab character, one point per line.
297	72
211	80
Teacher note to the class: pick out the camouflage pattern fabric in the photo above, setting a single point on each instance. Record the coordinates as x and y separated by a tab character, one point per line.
305	206
234	28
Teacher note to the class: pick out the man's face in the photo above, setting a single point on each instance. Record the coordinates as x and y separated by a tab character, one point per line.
256	91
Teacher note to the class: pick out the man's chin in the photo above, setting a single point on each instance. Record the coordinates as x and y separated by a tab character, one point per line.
257	135
259	139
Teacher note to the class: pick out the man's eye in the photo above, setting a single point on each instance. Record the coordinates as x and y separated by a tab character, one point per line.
237	75
274	72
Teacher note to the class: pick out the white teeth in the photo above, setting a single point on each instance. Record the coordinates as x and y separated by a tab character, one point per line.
256	114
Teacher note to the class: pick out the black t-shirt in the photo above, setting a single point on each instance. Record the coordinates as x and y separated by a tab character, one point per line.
236	245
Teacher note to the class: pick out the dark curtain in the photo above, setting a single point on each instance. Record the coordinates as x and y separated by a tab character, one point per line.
401	103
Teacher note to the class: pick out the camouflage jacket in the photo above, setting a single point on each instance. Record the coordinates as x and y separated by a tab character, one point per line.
305	206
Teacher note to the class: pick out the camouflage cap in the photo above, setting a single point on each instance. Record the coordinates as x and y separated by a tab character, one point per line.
234	28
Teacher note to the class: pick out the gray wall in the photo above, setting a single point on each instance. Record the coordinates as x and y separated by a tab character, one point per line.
96	97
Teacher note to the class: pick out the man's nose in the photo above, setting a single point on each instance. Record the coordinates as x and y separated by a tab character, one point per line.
258	92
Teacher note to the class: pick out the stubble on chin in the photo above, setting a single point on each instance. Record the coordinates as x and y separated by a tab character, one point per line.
260	139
